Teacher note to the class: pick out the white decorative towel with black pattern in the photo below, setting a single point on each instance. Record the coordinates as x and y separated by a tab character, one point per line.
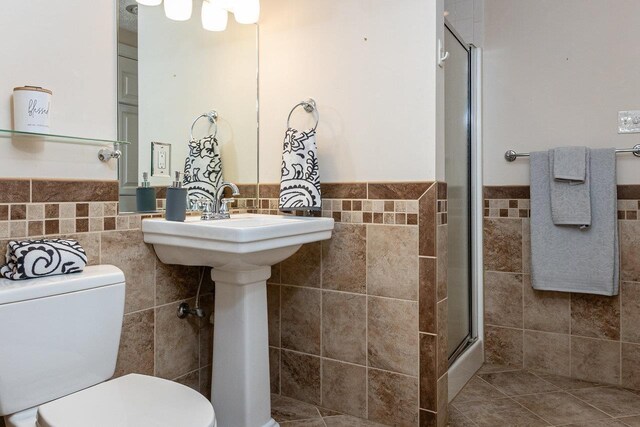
29	259
203	168
300	183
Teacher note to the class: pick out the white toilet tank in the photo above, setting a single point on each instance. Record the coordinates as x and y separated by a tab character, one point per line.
58	335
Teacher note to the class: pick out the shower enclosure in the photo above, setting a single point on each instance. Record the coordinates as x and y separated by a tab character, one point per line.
463	195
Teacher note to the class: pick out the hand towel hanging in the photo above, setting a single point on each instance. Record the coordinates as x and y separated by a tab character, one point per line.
300	174
203	168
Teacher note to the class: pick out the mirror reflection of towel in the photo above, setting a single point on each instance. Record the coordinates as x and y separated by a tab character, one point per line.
203	169
300	183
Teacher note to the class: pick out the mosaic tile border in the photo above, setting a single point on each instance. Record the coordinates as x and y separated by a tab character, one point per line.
358	211
506	208
442	206
520	208
45	219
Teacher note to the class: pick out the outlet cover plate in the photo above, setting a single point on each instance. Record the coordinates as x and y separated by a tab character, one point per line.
160	159
629	121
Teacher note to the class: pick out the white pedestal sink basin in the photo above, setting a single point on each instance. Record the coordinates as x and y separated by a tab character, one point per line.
242	250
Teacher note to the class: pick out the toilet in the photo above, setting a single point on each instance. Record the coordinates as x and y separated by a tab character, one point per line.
59	344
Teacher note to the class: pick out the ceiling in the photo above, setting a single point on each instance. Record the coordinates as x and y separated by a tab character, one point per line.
127	20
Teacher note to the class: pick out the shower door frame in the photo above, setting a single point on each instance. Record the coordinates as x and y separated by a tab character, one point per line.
471	336
469	355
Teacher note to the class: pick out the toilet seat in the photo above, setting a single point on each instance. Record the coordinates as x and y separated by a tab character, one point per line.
129	401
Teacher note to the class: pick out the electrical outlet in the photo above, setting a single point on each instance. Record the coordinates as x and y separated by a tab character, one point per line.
160	159
629	121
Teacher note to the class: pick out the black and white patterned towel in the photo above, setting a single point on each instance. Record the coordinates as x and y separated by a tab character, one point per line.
300	183
30	259
203	168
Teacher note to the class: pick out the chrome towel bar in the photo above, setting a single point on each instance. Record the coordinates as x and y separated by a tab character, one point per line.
212	116
511	155
310	107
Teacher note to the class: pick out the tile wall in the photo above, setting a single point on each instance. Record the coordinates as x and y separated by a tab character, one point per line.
589	337
154	341
357	324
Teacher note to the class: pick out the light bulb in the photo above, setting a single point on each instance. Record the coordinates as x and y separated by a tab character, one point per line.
149	2
214	17
178	10
246	11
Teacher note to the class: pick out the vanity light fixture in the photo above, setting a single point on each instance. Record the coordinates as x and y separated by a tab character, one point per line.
178	10
214	15
246	11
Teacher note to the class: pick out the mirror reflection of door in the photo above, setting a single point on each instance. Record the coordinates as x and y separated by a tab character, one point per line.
128	105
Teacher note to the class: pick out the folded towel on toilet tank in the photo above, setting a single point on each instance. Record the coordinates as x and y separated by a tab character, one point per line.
28	259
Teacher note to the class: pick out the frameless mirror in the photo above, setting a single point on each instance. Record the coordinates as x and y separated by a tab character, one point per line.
169	74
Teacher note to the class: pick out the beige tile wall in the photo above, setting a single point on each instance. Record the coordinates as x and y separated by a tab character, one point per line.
357	324
588	337
154	341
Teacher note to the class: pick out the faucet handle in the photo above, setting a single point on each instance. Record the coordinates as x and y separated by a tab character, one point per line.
224	207
207	208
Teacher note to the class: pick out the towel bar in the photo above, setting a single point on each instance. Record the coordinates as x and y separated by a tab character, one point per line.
511	155
310	107
212	116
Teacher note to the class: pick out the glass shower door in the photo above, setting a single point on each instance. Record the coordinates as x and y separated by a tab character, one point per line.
458	178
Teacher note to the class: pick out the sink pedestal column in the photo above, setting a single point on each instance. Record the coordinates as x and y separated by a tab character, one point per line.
240	390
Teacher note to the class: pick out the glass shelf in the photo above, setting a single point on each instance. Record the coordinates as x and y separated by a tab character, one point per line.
34	136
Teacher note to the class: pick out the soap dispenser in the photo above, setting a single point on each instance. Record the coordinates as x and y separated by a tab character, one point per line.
145	195
176	201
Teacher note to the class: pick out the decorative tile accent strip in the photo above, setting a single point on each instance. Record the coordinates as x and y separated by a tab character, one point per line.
520	208
39	220
441	210
506	208
359	211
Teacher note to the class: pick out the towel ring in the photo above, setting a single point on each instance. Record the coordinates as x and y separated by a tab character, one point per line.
212	116
310	107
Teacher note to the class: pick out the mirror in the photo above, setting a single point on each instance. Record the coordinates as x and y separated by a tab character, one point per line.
169	74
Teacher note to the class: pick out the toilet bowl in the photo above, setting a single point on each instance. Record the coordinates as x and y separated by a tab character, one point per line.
129	401
60	338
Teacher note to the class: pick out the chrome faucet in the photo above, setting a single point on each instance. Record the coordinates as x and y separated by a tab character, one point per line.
218	208
221	208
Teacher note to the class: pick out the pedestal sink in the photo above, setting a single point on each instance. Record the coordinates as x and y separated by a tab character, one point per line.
241	251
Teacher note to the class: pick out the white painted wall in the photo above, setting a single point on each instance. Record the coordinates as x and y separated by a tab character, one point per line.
185	71
371	66
556	73
68	46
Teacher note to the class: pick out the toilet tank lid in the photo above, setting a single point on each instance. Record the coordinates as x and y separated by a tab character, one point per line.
92	277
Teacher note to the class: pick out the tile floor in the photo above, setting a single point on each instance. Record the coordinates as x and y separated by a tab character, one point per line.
502	397
497	396
293	413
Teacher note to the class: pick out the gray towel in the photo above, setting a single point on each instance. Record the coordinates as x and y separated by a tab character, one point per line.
570	163
568	259
570	200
